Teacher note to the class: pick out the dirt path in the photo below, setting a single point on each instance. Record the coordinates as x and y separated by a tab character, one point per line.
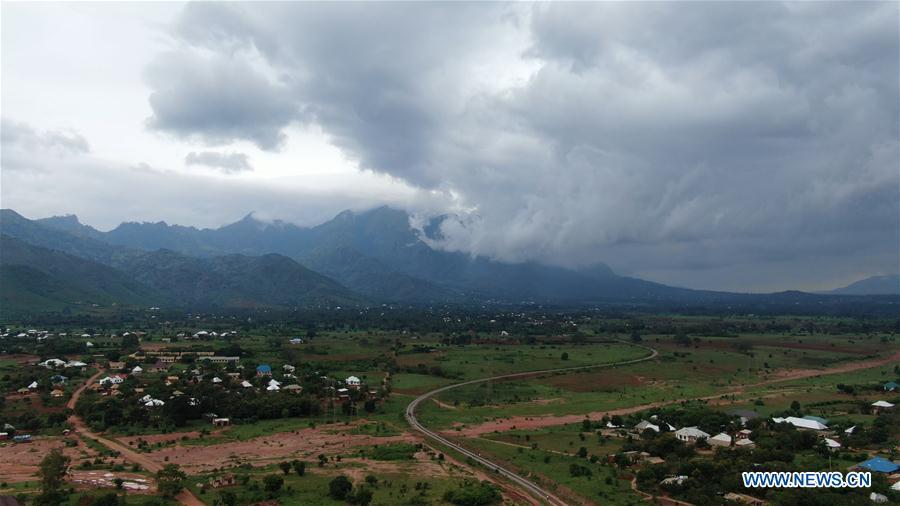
538	421
78	426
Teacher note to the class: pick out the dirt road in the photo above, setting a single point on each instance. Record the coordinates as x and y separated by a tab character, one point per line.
78	426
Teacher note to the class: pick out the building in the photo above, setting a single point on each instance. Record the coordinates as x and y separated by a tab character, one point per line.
137	371
890	386
819	419
644	425
216	359
832	444
802	423
691	435
264	370
720	439
744	443
881	406
879	465
221	422
744	499
352	381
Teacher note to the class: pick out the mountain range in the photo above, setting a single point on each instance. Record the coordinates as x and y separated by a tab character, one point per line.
875	285
355	258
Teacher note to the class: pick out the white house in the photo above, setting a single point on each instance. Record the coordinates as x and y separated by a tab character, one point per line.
53	362
33	385
352	381
744	443
691	435
644	425
216	380
246	384
273	388
832	444
802	423
881	406
75	363
137	370
720	439
850	430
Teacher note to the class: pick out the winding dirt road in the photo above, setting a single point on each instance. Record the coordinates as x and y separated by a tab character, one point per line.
527	485
185	497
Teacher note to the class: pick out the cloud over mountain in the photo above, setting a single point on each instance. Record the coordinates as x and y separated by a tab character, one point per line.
748	145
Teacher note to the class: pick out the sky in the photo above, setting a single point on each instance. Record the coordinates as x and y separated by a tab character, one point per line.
744	146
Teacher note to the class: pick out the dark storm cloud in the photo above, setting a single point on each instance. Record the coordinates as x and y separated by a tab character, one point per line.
228	163
659	137
217	99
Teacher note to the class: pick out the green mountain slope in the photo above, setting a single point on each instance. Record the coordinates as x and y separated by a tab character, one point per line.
35	279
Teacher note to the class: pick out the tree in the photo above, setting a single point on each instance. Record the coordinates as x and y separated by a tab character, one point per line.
52	472
299	467
285	467
362	497
340	487
228	498
170	480
564	356
272	483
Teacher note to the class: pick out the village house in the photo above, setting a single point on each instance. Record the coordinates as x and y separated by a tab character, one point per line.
352	382
878	465
743	499
720	439
264	370
744	443
691	435
221	422
881	406
216	359
644	425
802	423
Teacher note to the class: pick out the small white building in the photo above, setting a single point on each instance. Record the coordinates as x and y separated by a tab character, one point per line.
50	363
720	439
352	381
802	423
246	384
691	435
644	425
137	370
832	444
880	406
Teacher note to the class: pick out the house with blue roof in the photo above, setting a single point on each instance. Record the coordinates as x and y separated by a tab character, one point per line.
879	465
264	370
890	386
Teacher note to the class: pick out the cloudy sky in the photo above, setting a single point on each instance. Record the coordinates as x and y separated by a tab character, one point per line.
740	146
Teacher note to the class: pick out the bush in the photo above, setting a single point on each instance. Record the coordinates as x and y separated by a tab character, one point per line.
480	494
340	487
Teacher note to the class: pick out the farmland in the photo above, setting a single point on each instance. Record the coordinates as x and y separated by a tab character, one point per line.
549	427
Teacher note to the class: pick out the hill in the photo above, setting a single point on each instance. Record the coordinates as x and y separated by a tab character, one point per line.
37	279
875	285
